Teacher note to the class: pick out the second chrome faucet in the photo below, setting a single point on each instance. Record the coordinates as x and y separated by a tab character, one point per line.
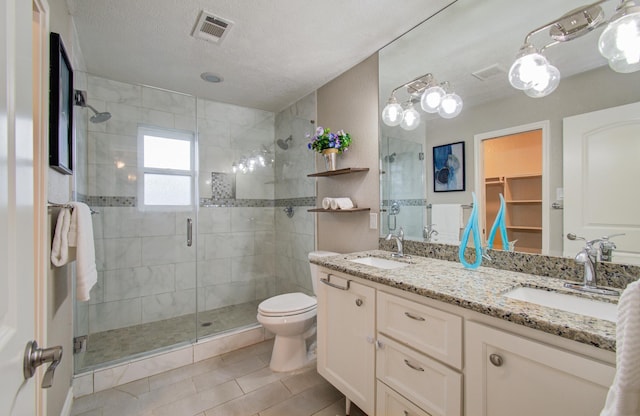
399	241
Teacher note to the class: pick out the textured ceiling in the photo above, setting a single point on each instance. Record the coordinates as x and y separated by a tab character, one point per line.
276	52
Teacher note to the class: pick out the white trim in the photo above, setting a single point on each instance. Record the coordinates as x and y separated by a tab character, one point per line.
68	403
479	168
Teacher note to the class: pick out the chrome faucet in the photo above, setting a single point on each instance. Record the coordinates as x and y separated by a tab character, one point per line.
429	232
588	256
399	240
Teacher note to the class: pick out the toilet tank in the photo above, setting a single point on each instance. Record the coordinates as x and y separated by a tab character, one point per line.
314	268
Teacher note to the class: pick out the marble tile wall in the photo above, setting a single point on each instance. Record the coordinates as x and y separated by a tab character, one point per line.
295	237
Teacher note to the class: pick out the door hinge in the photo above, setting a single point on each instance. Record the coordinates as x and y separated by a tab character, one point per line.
80	344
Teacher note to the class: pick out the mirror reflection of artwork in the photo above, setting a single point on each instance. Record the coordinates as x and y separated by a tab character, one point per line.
448	167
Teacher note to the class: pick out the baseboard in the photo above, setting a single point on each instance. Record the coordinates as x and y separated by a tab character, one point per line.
68	403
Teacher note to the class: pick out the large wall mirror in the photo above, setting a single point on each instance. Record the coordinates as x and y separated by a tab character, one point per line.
472	45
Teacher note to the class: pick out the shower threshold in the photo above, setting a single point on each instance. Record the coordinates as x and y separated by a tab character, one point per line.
110	347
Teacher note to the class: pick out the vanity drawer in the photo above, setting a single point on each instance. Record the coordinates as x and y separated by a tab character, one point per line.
431	331
432	386
391	403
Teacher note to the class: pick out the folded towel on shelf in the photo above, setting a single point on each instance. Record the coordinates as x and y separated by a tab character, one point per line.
342	203
623	398
81	236
447	220
60	244
326	203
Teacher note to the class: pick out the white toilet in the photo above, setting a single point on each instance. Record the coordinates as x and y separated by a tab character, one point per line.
291	317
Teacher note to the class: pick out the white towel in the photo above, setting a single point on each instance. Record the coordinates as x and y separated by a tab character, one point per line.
60	245
447	220
342	203
326	203
623	398
81	236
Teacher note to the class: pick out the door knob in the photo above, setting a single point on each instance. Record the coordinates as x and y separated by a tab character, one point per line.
34	357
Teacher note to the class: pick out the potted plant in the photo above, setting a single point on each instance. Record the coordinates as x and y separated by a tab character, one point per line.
329	144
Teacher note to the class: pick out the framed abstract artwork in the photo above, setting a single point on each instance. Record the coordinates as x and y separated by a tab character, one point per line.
60	108
448	167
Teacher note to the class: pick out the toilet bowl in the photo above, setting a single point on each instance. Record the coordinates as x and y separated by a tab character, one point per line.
291	317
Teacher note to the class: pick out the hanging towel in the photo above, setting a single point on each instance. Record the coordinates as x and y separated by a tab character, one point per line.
623	398
81	237
60	245
447	220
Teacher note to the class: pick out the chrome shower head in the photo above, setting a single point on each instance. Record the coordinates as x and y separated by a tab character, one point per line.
97	117
284	144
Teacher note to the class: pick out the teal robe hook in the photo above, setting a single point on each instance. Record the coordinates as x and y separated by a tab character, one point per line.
472	226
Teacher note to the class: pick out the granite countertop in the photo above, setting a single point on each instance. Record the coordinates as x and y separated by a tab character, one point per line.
481	290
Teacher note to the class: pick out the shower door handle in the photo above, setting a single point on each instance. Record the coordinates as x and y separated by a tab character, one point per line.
189	232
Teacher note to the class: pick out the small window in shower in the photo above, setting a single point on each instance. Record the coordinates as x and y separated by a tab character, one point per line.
166	166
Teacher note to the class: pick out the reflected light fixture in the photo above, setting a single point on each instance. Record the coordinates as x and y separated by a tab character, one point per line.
433	98
619	43
256	159
410	117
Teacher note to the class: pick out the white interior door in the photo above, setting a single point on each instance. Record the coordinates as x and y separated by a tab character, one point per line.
17	396
601	159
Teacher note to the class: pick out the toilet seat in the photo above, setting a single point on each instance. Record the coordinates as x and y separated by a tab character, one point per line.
287	305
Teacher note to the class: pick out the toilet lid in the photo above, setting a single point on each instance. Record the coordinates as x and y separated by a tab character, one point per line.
287	304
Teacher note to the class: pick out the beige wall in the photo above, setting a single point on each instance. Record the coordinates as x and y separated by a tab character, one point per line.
350	102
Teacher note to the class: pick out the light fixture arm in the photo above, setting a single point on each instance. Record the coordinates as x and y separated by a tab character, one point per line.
585	11
426	79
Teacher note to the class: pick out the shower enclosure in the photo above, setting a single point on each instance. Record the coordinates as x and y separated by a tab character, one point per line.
185	247
402	164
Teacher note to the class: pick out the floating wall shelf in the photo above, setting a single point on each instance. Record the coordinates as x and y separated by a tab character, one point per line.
338	172
337	211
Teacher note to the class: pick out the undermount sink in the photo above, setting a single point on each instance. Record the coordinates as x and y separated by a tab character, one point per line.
565	302
380	263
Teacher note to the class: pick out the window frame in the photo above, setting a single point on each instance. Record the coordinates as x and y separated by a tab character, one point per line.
170	134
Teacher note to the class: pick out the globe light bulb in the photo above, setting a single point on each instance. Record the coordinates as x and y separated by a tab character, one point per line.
392	113
527	68
431	98
545	83
619	43
410	119
450	106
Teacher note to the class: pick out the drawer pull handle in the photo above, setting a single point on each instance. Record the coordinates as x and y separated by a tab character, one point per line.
359	302
495	360
412	316
412	366
406	413
327	282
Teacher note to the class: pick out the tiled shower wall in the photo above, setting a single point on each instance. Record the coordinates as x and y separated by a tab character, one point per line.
146	272
295	236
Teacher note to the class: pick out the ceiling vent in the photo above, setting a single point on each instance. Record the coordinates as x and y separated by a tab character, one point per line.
489	72
211	28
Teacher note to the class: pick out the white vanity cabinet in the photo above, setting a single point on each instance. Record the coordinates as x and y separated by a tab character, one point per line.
397	354
346	337
508	374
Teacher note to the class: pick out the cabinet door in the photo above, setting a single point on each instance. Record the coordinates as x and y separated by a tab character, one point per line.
346	333
511	375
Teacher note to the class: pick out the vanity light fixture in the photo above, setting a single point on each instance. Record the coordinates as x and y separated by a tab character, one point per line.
432	96
619	43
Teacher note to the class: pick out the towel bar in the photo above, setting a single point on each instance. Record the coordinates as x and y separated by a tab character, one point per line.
54	205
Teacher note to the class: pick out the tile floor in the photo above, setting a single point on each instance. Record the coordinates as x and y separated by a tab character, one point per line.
117	344
238	383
